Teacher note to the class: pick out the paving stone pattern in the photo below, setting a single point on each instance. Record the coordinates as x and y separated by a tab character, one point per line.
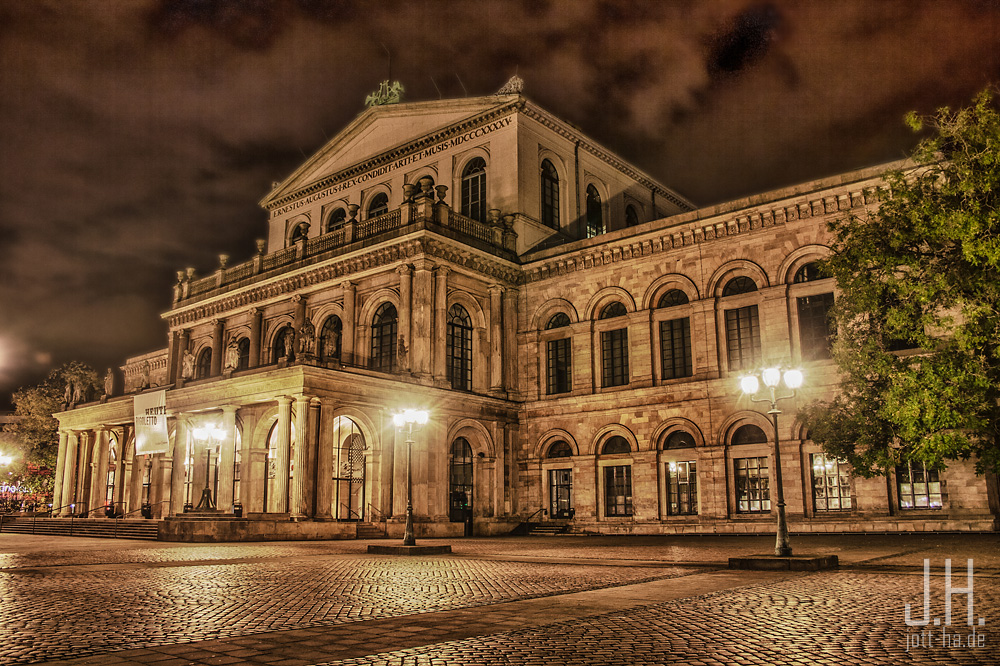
824	618
64	612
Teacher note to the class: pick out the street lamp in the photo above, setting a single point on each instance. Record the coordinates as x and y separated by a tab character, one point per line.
209	434
750	385
408	418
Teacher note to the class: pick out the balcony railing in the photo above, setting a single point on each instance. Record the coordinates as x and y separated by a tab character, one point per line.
493	236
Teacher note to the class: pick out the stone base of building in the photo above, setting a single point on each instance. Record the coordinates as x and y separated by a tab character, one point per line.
193	529
890	524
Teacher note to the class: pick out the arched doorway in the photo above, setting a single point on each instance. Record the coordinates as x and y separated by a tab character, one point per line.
350	471
272	502
460	484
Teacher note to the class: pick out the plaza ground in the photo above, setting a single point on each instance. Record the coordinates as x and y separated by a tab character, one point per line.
526	600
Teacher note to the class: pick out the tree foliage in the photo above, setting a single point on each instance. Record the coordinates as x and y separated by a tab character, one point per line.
921	274
37	429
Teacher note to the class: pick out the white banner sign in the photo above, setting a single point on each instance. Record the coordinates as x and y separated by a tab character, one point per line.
151	423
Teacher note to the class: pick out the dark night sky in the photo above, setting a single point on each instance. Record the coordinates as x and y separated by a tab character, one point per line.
137	136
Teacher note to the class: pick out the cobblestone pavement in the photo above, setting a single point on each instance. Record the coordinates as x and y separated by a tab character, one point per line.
552	600
823	618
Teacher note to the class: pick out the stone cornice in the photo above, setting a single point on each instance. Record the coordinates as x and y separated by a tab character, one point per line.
691	229
394	154
334	271
552	123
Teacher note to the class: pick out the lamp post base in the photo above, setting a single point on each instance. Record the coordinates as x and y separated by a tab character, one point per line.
206	503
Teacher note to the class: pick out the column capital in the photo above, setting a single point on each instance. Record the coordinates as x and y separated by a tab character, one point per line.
296	298
230	409
347	285
218	322
442	272
254	311
284	399
497	289
404	269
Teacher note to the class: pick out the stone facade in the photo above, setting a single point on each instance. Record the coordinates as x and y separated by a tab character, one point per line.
489	263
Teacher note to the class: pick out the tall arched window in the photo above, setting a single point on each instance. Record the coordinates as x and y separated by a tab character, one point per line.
631	217
614	348
460	481
379	205
617	479
282	347
301	232
550	195
808	273
243	347
595	213
383	352
742	326
459	348
329	339
672	298
474	189
203	368
337	219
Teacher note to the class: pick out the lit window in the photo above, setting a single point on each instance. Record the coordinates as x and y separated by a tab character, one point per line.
618	490
682	488
752	492
561	493
474	189
831	483
919	487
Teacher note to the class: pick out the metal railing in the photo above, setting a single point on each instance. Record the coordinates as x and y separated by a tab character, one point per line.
372	511
351	513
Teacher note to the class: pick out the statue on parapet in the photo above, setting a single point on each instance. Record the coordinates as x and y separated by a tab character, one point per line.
187	365
387	93
232	354
307	338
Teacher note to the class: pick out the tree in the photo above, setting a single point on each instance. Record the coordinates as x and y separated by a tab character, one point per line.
921	273
37	430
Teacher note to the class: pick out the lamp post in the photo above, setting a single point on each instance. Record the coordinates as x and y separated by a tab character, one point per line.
210	435
750	385
408	418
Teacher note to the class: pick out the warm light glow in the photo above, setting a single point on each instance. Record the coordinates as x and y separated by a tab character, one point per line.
208	432
6	460
201	434
749	384
771	376
410	417
793	379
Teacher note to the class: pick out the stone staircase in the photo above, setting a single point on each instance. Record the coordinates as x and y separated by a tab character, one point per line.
106	528
371	530
547	529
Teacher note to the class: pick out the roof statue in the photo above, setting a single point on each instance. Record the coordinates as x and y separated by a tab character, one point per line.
387	93
514	86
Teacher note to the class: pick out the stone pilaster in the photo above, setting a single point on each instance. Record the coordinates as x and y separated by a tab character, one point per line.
405	294
350	324
440	321
218	332
496	338
256	321
278	499
227	459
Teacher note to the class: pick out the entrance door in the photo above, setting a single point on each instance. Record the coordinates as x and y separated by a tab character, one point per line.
460	484
349	498
561	493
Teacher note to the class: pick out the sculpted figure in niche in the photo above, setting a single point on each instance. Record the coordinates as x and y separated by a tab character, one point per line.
287	341
401	353
187	365
232	354
109	382
307	338
144	377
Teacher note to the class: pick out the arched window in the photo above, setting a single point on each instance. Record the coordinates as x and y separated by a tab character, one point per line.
329	339
459	348
631	217
379	205
749	434
282	347
474	189
460	481
739	285
559	449
808	273
550	195
595	213
672	298
301	232
243	347
337	219
615	445
611	310
679	439
383	352
558	320
203	368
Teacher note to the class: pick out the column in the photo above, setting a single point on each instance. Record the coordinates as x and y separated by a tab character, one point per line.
324	461
508	349
180	467
99	477
302	467
312	479
227	459
182	346
440	321
68	495
60	466
496	337
279	499
256	319
172	354
405	289
350	325
218	330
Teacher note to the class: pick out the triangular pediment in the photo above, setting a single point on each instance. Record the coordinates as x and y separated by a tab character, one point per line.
381	129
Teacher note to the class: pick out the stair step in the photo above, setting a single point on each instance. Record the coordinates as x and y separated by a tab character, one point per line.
84	527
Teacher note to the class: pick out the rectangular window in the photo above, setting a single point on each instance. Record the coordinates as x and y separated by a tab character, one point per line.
816	329
743	337
560	492
919	487
675	348
618	490
752	492
559	365
614	354
682	488
831	483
